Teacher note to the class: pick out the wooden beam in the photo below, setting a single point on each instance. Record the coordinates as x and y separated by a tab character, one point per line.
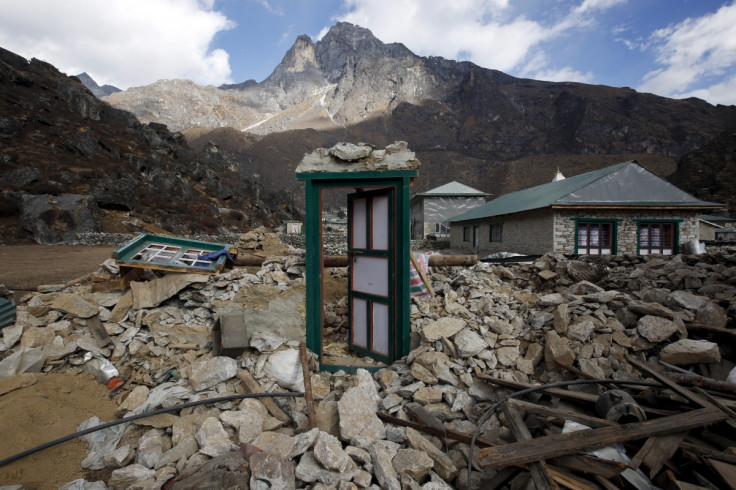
561	414
538	469
253	386
687	394
587	440
656	451
443	432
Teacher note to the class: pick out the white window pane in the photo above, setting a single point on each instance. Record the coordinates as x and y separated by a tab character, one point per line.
606	251
667	251
380	328
644	251
380	223
359	222
359	323
593	251
370	275
582	251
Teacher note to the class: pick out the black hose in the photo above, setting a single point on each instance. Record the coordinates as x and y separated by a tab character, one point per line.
526	391
69	437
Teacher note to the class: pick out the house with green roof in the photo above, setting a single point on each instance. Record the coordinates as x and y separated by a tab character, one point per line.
431	210
623	208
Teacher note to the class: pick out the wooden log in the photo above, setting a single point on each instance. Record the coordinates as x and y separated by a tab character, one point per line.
587	440
307	385
687	394
253	386
435	260
560	414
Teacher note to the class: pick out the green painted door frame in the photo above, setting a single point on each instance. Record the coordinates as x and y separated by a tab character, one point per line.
400	180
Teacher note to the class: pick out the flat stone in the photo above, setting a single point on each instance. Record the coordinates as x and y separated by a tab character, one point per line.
120	457
427	395
271	471
309	470
686	299
266	341
468	343
37	337
121	309
248	423
329	452
213	439
507	356
654	309
655	328
275	442
150	448
125	477
712	315
357	409
422	374
416	464
442	463
556	350
206	374
444	327
328	418
184	450
552	299
74	305
152	293
689	351
303	442
581	331
382	452
135	399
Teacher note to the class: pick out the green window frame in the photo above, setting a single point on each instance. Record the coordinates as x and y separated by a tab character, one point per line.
596	236
495	233
466	233
658	237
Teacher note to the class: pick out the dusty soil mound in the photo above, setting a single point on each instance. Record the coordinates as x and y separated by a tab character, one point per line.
51	408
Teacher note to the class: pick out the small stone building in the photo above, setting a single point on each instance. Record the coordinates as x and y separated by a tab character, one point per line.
431	210
619	209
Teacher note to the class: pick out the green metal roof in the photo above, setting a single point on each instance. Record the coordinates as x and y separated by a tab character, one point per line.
623	184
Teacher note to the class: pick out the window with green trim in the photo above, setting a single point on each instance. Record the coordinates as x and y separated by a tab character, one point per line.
466	233
495	233
595	238
657	238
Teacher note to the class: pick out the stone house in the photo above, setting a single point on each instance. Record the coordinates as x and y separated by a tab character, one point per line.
619	209
431	210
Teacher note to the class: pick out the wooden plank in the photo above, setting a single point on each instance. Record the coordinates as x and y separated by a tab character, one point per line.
590	465
441	432
687	394
586	440
725	471
538	469
98	331
708	452
561	414
656	451
106	287
568	481
421	273
307	385
253	386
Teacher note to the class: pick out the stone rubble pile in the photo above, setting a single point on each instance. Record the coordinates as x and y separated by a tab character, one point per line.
526	323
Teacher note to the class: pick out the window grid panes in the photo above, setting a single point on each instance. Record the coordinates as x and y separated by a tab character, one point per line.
595	238
495	233
656	238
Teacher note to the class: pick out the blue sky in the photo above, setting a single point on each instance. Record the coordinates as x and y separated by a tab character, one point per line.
674	48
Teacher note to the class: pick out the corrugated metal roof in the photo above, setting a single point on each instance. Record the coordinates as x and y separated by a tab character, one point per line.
623	184
453	189
7	313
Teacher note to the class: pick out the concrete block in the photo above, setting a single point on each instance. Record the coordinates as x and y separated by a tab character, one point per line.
229	336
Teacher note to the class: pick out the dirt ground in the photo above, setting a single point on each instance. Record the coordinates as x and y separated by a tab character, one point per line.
25	267
48	409
56	403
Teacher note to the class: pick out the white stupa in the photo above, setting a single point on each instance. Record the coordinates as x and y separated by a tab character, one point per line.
558	176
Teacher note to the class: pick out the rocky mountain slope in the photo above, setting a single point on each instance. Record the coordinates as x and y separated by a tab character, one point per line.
72	163
479	126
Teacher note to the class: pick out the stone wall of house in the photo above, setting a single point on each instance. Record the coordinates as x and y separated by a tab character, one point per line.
528	233
564	227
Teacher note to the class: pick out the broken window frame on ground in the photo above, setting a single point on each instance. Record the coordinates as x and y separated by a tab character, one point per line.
131	255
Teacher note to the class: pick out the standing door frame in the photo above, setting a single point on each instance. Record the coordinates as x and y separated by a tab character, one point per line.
314	184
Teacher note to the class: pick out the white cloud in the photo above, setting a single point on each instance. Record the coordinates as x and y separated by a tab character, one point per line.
484	32
696	56
121	42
